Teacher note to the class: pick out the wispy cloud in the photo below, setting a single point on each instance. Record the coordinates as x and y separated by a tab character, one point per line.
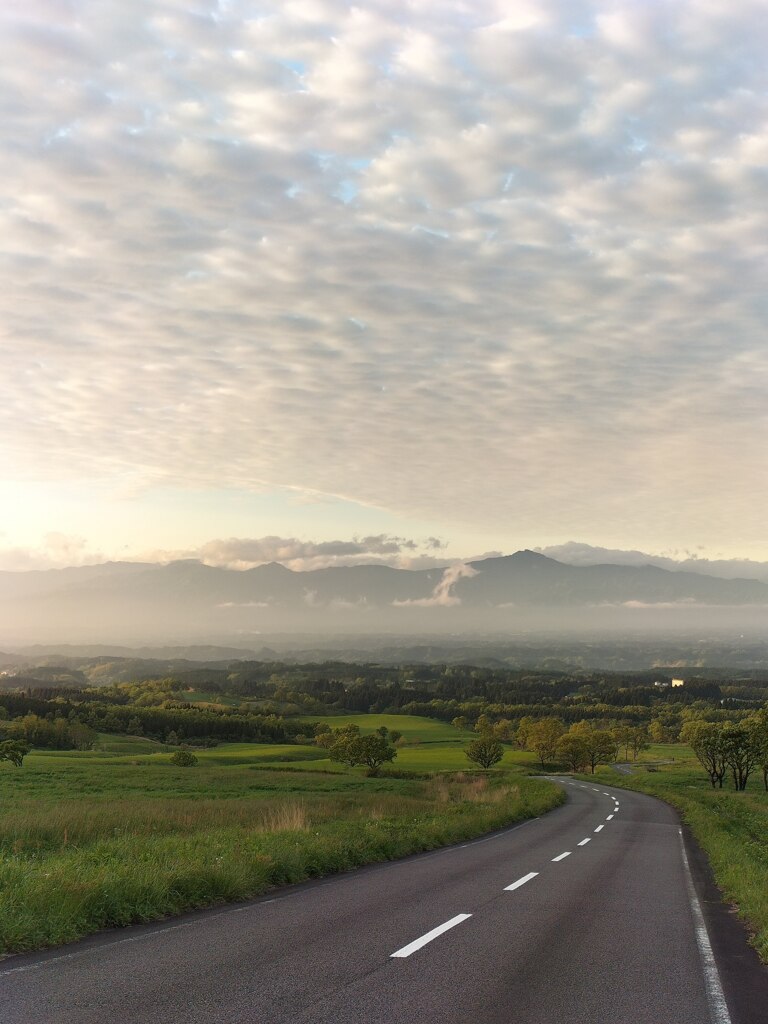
443	596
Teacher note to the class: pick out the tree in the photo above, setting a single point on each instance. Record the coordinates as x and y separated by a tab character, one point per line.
760	726
14	751
183	759
573	750
741	752
485	751
372	751
706	741
601	748
328	737
623	736
459	722
638	740
502	730
523	727
542	737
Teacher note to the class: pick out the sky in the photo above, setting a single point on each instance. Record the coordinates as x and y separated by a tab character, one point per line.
420	279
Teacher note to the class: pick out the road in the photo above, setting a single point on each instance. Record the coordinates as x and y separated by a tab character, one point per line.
587	915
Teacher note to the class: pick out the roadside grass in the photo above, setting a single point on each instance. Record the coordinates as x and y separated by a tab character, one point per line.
119	835
731	828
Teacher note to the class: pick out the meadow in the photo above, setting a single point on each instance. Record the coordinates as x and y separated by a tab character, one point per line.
116	835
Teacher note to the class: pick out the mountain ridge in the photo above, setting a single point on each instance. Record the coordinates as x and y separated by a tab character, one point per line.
188	597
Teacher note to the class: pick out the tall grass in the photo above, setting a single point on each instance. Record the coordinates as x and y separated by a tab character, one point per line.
71	867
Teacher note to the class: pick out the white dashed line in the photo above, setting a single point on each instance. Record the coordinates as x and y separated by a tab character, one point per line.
599	828
584	842
715	994
521	881
418	943
609	817
561	856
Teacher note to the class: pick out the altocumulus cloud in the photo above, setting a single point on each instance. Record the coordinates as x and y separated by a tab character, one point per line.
498	262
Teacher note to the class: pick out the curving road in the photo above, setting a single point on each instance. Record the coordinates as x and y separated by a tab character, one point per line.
586	916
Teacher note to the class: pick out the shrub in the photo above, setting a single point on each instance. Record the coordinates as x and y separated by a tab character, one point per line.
184	759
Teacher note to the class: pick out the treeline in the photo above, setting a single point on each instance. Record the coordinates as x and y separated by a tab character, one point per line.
59	721
52	733
738	749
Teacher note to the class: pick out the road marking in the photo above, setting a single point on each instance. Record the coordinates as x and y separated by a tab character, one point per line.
606	794
521	881
599	828
717	1004
561	856
609	817
584	842
418	943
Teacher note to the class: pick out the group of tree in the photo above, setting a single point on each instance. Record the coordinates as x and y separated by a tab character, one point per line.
583	745
347	746
65	723
739	748
48	733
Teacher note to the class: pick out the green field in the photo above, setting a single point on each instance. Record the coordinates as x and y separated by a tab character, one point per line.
118	834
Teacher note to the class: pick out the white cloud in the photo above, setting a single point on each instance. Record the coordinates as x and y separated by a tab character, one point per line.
303	555
443	595
574	553
553	234
55	551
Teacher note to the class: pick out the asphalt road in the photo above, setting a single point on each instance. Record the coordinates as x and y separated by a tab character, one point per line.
585	916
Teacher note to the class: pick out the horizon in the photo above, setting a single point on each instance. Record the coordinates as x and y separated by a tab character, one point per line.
301	557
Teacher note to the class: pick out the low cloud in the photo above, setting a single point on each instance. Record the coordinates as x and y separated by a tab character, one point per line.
574	553
442	596
302	555
56	551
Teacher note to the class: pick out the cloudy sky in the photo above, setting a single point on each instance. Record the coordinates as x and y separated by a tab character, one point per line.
446	275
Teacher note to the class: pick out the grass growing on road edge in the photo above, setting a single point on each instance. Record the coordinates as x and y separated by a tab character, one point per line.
731	828
71	867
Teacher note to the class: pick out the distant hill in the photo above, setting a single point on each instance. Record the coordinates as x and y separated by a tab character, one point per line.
184	603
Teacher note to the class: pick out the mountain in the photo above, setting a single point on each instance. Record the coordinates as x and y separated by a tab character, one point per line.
190	602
